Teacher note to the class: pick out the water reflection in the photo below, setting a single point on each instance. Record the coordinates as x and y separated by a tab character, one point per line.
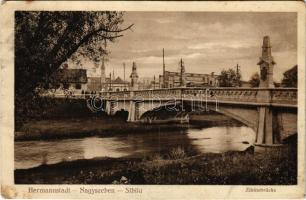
103	147
222	139
216	139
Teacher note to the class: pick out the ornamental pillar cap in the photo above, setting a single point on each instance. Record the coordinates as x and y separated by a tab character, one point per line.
266	42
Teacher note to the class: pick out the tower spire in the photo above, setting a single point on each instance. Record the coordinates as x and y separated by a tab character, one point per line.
266	63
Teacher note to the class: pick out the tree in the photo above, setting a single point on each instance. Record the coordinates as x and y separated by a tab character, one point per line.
290	77
45	40
229	78
254	80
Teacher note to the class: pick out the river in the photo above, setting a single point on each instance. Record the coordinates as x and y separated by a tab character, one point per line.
217	139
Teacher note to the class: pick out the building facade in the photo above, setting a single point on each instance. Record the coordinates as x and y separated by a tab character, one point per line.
182	79
115	85
173	79
73	81
94	84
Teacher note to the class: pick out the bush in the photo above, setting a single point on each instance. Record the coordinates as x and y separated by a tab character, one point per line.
177	153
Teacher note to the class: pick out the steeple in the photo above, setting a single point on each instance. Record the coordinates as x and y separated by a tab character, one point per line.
266	63
134	77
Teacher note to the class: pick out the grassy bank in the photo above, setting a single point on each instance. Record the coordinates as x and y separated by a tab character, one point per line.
277	167
75	128
104	125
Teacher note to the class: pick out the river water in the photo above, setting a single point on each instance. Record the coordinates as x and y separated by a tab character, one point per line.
30	154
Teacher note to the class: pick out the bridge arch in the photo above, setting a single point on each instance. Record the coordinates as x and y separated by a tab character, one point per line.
243	115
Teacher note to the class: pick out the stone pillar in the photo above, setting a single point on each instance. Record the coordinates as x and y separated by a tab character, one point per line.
134	78
265	133
266	63
264	127
133	111
110	107
182	74
107	107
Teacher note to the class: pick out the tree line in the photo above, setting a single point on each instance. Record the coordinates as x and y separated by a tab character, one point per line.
232	78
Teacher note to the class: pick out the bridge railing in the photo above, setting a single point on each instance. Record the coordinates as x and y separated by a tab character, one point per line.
221	94
277	96
284	96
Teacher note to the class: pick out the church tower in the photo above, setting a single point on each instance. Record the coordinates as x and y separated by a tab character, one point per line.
134	77
266	64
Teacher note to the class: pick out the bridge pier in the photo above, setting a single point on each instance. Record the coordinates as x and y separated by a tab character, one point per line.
267	135
110	107
264	127
269	130
134	111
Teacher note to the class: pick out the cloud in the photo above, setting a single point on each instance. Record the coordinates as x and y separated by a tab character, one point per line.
205	40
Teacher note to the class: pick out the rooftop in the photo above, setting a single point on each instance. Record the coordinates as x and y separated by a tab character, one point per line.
71	75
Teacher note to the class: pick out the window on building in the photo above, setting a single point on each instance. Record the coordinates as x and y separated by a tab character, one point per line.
210	83
78	86
117	90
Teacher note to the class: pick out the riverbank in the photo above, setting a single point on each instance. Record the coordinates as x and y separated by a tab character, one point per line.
77	128
102	126
279	167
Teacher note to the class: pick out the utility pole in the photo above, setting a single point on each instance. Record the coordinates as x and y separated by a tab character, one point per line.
124	72
164	69
110	81
154	82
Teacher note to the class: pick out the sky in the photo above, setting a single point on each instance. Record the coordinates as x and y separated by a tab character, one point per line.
206	41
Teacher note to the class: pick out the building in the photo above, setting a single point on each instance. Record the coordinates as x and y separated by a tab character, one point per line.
173	79
103	83
183	79
72	80
116	85
94	84
146	83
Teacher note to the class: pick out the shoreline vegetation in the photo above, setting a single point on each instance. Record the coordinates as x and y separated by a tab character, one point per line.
278	167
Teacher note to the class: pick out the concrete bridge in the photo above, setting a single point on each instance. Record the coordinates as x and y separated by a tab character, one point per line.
271	112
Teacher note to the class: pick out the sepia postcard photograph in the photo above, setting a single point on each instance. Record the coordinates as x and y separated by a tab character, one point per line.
152	100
